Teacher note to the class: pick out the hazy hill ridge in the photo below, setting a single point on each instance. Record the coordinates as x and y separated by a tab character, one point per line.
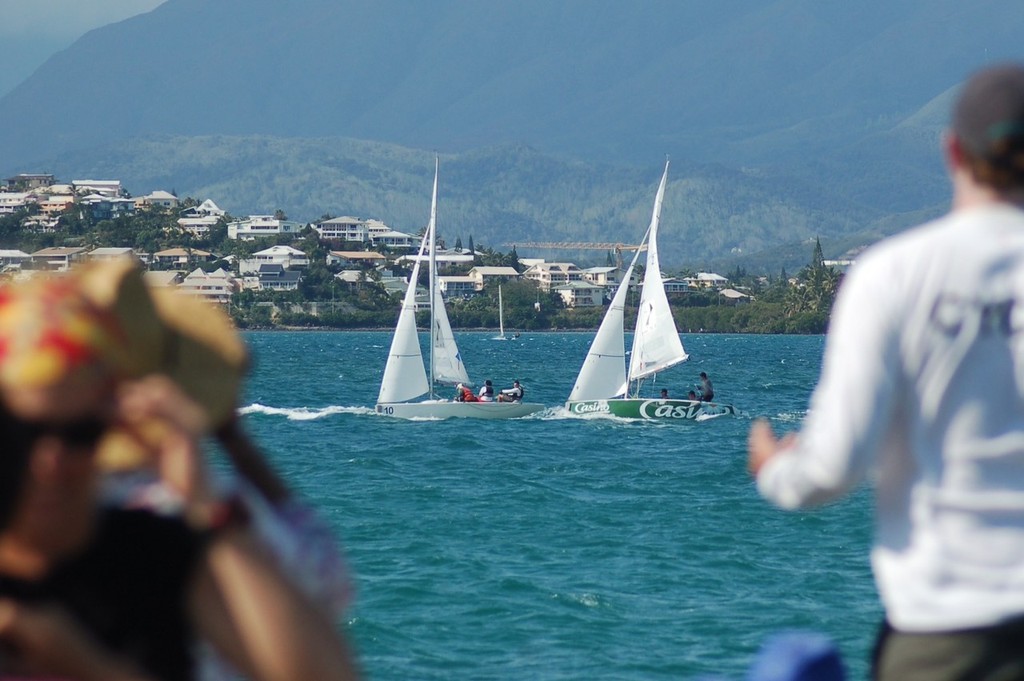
822	116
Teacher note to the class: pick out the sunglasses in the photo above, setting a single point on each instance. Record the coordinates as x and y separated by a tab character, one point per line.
82	434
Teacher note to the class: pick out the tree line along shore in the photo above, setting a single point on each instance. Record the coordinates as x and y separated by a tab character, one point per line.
777	304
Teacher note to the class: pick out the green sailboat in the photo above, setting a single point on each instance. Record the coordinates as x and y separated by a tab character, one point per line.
603	386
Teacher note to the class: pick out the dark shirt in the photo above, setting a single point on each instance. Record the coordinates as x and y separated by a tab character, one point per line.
129	590
707	390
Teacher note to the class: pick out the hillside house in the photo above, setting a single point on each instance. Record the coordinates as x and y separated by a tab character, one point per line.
551	274
216	287
102	207
157	199
51	205
105	253
343	229
181	257
285	256
580	293
200	225
274	277
58	258
674	285
12	202
163	278
441	256
40	223
26	182
484	274
457	286
380	235
11	259
204	209
357	258
734	296
110	189
256	226
706	281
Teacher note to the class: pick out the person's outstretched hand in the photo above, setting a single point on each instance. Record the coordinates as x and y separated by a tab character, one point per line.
762	445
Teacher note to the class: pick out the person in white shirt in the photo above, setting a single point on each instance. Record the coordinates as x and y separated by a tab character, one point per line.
513	394
487	391
922	389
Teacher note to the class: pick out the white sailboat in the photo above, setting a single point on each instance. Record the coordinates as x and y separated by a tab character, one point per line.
406	377
604	386
501	318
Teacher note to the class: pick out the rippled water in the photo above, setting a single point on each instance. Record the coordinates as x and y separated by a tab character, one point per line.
557	547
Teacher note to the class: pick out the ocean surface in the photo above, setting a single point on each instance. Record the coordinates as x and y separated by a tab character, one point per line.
561	547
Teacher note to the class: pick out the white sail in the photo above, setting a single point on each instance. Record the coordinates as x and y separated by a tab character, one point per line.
445	361
405	377
501	316
448	366
656	344
603	373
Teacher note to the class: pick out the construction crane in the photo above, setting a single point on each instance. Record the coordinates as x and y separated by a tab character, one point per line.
584	246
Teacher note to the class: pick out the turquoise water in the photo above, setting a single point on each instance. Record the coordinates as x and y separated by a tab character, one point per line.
556	547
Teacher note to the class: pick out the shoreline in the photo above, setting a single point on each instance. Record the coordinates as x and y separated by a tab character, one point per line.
485	329
391	329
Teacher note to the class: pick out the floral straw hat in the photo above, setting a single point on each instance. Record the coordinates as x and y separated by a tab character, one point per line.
103	322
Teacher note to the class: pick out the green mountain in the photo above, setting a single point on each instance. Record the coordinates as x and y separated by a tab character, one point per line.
785	119
501	196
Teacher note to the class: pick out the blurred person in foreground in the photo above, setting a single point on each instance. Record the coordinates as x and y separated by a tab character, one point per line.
922	387
95	592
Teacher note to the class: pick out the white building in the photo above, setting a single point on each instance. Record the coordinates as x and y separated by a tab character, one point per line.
109	188
58	258
343	229
11	202
484	273
285	256
355	258
181	257
457	285
442	257
157	199
110	253
13	259
551	274
379	234
580	293
674	285
707	280
215	287
256	226
204	209
163	278
200	225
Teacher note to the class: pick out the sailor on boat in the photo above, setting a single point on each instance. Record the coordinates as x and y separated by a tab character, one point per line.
707	391
464	394
487	391
513	394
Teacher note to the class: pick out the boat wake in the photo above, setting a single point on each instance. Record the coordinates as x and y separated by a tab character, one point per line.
712	417
561	413
302	413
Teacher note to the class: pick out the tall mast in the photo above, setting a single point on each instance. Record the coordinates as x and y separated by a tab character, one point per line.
431	235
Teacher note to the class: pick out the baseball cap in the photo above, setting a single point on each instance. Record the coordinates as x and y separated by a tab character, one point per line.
990	109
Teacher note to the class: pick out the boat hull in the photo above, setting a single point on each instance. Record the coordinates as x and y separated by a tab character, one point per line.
442	409
649	409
